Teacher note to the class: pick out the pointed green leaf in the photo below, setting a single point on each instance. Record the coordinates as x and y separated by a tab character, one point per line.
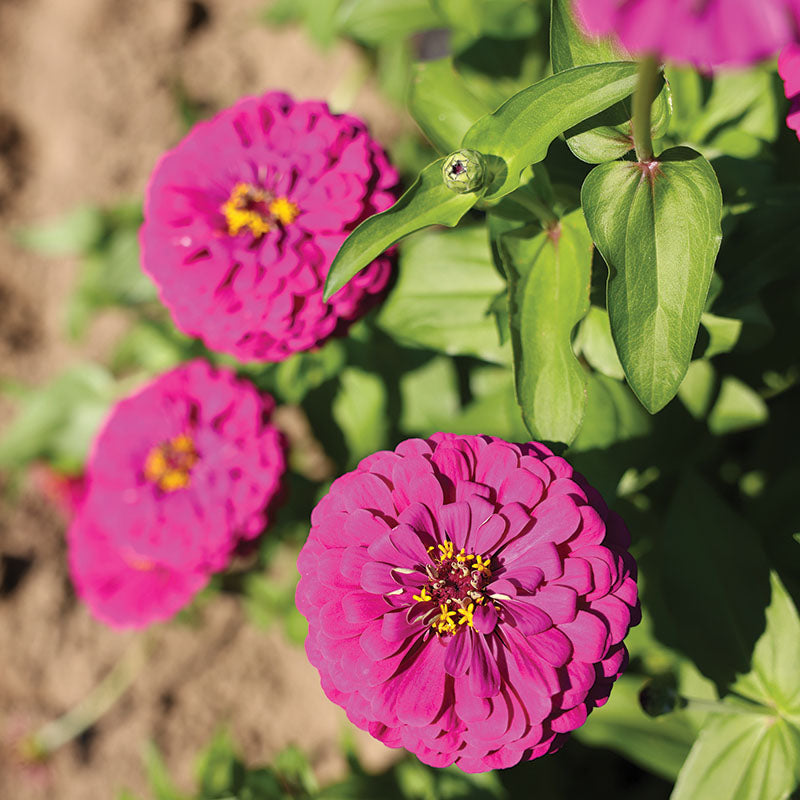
520	132
774	679
741	757
549	274
442	104
738	407
446	285
608	135
697	388
659	232
427	202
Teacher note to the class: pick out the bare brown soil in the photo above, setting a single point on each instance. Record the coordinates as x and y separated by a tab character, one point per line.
87	104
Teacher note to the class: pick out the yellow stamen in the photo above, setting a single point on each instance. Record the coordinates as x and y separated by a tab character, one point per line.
481	564
284	210
423	596
252	209
169	464
444	622
466	615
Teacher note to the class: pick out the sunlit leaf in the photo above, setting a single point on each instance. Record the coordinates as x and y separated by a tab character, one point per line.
658	229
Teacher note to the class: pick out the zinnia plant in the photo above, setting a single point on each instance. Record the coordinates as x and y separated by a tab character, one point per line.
182	473
467	599
244	216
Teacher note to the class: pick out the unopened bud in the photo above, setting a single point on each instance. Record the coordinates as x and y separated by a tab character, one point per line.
464	171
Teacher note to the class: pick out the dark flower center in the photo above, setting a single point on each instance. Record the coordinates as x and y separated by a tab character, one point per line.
456	584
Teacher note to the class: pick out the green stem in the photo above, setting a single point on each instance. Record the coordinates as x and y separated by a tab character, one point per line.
67	727
646	87
718	707
529	199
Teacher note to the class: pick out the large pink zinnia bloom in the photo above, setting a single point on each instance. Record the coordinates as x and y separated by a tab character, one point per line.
467	599
708	33
182	474
789	69
244	217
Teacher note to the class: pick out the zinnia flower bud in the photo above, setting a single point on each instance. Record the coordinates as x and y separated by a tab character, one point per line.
467	599
464	171
245	216
182	473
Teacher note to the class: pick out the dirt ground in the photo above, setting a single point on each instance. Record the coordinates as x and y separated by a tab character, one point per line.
86	106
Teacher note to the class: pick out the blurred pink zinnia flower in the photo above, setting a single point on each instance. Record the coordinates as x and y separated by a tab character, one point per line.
467	599
244	217
182	473
709	33
789	69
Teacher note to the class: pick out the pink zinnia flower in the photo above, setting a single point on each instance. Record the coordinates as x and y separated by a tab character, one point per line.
244	217
467	599
789	69
709	33
182	474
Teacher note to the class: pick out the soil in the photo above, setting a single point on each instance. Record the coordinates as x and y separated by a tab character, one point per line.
87	104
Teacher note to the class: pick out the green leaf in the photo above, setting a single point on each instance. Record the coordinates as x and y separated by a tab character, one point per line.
659	233
613	415
504	19
715	575
659	745
774	679
549	274
75	233
298	375
697	388
442	104
607	135
158	776
520	132
741	757
218	772
723	333
570	47
427	202
595	343
57	422
446	285
359	409
373	22
738	407
430	397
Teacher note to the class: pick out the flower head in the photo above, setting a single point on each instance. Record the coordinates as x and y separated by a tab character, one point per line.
244	217
708	33
789	69
467	599
182	473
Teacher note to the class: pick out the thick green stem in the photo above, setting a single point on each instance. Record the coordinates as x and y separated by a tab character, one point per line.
60	731
642	103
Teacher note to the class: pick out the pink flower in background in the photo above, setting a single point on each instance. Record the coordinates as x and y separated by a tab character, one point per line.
467	599
708	34
182	474
789	69
244	217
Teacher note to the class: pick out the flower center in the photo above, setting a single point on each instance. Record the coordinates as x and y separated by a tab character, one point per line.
256	210
169	464
456	585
